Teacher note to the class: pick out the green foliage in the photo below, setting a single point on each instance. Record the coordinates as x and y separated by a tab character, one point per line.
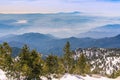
5	58
16	69
61	69
31	66
68	58
81	64
87	68
31	63
52	64
115	74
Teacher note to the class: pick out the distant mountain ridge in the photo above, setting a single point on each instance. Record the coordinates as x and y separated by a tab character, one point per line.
48	44
74	23
108	30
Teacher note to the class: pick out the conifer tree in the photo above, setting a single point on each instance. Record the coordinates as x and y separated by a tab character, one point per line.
1	56
24	61
30	63
81	63
35	64
6	58
52	64
16	69
61	69
87	68
68	59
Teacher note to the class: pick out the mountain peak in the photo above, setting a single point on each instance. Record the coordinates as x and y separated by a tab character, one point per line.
37	35
32	33
72	37
118	36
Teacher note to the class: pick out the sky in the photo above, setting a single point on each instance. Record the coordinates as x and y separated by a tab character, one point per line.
93	14
94	7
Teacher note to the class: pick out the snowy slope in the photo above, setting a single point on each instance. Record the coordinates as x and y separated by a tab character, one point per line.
78	77
65	77
2	75
71	77
104	61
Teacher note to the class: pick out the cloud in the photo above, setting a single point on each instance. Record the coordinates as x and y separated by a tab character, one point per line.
94	7
60	25
21	22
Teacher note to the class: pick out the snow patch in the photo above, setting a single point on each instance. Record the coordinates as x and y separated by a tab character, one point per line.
65	77
71	77
2	75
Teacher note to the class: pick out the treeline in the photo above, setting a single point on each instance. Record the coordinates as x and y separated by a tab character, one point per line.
29	64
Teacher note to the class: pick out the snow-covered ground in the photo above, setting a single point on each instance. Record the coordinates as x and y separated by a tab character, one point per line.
2	75
71	77
104	61
66	77
77	77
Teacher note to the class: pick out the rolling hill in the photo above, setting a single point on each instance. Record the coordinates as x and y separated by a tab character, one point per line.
48	44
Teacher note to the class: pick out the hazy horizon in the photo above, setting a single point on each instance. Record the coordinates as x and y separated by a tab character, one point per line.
61	18
93	7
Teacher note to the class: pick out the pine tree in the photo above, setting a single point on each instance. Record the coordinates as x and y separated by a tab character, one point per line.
52	64
81	64
87	68
23	60
6	58
35	64
61	69
2	57
30	63
16	69
24	55
68	59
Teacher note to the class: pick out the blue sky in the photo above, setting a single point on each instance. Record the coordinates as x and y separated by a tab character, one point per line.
94	7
